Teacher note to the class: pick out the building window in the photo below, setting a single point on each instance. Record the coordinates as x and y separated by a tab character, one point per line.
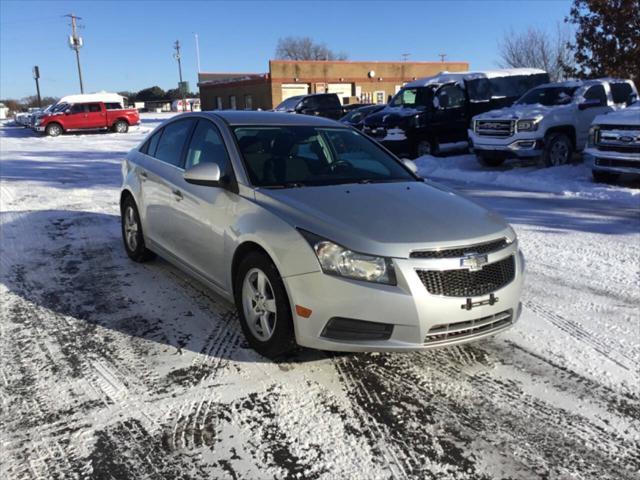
248	102
380	97
219	103
232	102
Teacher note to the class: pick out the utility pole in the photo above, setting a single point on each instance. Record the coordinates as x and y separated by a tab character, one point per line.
75	43
176	55
198	53
442	56
36	76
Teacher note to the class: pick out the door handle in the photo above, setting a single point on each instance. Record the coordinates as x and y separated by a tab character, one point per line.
144	175
177	194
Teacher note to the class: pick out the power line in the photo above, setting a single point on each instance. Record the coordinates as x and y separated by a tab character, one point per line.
75	42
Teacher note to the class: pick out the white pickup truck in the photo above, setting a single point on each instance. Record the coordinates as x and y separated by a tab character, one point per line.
550	121
614	144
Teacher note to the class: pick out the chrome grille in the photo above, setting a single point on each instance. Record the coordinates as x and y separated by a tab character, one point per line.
467	283
451	332
494	128
618	139
488	247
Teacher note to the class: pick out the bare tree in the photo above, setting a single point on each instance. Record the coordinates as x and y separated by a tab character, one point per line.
536	48
304	48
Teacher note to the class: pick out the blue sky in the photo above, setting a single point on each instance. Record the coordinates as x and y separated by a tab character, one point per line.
128	44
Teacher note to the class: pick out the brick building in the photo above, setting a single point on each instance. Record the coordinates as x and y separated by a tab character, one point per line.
352	81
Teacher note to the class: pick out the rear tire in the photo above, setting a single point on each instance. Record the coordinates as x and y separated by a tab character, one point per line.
486	161
603	177
263	306
53	129
425	147
558	150
132	232
121	127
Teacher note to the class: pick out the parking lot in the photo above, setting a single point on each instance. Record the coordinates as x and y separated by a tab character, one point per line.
119	370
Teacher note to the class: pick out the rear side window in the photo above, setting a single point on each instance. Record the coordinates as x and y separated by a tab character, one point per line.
172	141
150	145
113	106
94	107
327	101
451	96
207	147
620	92
596	93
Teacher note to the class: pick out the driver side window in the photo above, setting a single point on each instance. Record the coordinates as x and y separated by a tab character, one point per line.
596	93
207	147
450	96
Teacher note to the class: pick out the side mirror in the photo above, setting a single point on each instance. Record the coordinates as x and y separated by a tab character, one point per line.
67	111
205	174
410	164
632	98
589	104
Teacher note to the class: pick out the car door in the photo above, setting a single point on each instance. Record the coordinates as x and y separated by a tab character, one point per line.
95	116
205	213
75	116
586	116
450	114
161	177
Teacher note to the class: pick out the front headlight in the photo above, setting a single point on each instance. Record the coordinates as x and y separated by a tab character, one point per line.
337	260
594	133
530	125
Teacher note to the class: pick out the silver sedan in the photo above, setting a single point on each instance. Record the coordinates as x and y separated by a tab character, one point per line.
320	236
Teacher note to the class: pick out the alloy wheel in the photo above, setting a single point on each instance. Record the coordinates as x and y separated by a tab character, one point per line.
559	153
259	304
131	228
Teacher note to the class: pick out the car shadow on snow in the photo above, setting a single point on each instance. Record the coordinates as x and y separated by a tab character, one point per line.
73	265
68	169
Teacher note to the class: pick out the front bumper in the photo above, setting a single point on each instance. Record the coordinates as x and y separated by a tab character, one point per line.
408	307
520	146
614	162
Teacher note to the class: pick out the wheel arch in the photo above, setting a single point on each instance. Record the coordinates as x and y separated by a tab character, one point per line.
568	130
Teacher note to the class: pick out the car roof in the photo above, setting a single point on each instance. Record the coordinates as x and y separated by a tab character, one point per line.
251	117
450	77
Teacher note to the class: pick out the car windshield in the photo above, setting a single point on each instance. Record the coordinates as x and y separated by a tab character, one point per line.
59	107
413	97
289	104
548	96
298	156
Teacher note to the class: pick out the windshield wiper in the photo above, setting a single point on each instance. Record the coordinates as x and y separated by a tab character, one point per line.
286	185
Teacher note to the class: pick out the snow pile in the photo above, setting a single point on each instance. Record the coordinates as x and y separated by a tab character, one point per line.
567	180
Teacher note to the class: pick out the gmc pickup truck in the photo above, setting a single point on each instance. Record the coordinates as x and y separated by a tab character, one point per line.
614	144
87	115
550	122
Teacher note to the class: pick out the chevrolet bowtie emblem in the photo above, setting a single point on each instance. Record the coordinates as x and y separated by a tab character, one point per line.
473	261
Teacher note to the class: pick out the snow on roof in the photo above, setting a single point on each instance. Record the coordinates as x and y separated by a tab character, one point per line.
449	77
92	97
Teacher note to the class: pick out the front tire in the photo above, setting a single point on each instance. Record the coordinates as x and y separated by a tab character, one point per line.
53	129
121	127
132	232
263	306
558	150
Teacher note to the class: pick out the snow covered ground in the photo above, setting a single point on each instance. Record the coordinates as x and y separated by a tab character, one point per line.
116	370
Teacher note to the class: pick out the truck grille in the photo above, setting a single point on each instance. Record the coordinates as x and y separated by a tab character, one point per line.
619	138
465	283
488	247
494	128
451	332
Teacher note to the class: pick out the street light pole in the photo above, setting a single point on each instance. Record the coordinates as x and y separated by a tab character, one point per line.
75	42
176	55
36	76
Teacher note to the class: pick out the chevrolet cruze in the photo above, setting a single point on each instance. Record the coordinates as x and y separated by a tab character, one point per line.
320	236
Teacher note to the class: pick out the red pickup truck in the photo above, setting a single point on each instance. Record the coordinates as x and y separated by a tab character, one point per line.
73	117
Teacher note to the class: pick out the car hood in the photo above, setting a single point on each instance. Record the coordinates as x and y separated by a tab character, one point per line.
388	219
627	116
517	112
391	116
